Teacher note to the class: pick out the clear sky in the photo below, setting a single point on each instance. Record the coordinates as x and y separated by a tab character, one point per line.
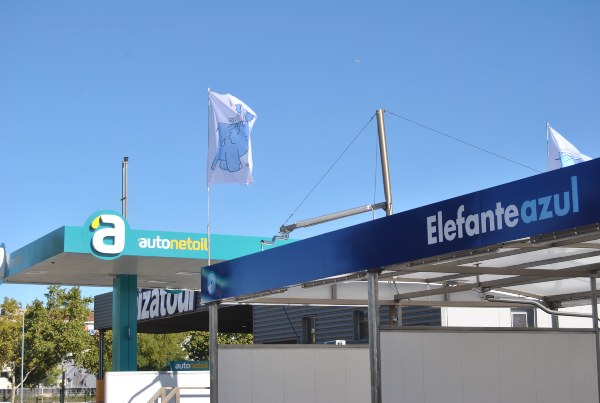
83	84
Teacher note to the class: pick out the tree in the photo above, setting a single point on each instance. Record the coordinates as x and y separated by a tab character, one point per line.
10	340
196	345
156	350
55	333
89	358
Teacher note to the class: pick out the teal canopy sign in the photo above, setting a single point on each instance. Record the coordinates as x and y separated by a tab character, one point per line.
107	235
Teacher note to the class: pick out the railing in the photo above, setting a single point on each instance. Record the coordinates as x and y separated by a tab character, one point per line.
43	395
167	393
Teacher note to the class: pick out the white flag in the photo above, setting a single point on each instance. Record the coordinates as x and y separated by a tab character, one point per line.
230	122
561	153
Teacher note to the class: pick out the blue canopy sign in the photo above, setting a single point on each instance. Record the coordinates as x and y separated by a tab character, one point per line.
552	201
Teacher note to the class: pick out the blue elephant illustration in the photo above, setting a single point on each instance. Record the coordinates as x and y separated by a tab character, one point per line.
233	141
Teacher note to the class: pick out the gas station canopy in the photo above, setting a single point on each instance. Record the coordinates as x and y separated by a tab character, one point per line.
537	237
105	247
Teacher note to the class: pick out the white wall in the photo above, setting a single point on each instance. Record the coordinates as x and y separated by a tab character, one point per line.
476	317
140	386
5	383
500	317
294	373
492	366
570	321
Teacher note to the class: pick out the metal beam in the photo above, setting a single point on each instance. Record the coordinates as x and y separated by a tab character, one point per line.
573	238
460	304
286	229
575	296
469	271
472	256
537	263
308	301
340	279
385	167
512	281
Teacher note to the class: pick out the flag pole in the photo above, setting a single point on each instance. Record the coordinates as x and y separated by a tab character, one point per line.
213	307
208	224
208	187
547	141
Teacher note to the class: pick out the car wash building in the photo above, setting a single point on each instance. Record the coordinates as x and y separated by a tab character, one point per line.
532	242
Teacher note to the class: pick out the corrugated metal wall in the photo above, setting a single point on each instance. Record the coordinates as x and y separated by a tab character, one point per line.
421	316
280	324
103	311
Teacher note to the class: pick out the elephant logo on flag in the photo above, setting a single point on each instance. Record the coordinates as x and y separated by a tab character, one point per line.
233	141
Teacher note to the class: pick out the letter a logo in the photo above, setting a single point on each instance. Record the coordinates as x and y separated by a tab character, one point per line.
107	235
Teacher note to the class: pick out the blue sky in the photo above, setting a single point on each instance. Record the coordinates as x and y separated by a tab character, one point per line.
83	84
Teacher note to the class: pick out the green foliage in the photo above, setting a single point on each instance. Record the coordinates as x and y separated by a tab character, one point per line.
10	338
10	332
155	350
89	358
196	345
55	333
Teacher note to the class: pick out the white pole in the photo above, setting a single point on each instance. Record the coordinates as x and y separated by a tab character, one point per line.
213	308
547	141
22	351
208	224
208	186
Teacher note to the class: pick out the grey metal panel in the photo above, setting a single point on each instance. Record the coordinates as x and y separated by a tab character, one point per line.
357	375
516	380
584	373
271	324
330	381
294	373
103	311
480	367
549	374
268	380
421	316
234	383
446	353
401	360
299	369
503	365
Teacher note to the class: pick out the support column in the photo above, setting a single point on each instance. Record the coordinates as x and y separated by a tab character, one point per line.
555	323
554	318
124	326
213	350
385	167
374	340
596	333
373	275
101	355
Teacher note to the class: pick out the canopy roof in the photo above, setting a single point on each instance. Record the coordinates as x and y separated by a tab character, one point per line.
538	237
160	259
